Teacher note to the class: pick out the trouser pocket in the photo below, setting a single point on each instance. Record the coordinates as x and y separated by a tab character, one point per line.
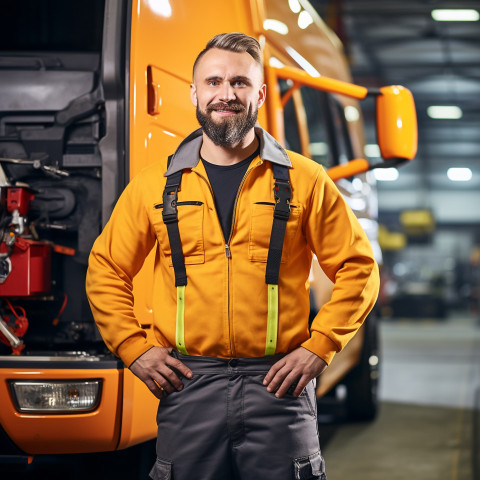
310	467
162	470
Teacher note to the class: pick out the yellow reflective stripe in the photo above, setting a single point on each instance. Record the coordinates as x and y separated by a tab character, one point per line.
272	320
180	331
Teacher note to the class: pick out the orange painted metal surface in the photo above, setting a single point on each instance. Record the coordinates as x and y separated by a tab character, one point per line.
350	169
139	422
320	83
94	431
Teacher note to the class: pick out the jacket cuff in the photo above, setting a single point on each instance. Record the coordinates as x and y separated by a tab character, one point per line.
321	346
132	348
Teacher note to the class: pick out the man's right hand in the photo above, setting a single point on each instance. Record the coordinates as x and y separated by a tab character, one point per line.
154	369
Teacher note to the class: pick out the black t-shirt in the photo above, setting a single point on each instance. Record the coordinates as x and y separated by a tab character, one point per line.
225	180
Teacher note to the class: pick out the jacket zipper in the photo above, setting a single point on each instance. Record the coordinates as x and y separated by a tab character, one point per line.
229	253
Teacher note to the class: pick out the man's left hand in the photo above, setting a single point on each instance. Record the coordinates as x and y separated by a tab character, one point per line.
300	364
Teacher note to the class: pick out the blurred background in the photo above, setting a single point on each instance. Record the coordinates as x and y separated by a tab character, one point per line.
429	219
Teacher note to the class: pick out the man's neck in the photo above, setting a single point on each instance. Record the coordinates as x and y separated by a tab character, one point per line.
229	155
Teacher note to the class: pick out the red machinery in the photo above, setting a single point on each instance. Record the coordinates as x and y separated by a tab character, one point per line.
25	264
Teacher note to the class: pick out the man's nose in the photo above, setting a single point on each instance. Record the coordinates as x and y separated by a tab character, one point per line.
227	92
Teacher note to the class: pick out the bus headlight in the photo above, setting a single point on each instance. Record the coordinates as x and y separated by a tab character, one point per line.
56	396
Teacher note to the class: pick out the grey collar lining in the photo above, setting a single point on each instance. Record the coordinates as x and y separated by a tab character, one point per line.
187	154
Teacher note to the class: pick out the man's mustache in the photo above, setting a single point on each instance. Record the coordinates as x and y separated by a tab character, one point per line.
232	107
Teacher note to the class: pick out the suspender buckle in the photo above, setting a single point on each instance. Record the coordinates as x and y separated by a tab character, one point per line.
283	194
170	196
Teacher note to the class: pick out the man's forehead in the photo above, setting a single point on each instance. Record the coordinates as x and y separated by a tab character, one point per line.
224	63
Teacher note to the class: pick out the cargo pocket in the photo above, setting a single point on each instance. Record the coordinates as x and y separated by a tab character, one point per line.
310	467
190	226
162	470
261	228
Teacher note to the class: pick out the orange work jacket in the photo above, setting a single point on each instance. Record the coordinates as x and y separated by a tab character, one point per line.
226	294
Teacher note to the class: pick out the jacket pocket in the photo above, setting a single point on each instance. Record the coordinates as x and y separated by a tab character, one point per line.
261	229
190	225
162	470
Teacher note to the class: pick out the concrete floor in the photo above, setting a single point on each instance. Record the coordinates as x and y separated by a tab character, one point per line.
428	426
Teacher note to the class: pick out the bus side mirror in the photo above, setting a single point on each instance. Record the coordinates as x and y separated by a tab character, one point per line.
396	125
396	117
396	133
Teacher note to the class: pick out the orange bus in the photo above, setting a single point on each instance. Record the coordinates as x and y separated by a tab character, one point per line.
91	92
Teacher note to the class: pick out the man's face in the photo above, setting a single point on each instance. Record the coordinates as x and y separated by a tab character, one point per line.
227	91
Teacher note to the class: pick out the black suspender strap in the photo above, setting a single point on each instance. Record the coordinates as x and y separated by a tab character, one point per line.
281	214
170	218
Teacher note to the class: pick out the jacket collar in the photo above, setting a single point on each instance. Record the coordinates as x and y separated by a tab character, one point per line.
187	154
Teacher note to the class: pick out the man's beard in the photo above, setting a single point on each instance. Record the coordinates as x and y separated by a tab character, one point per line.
231	130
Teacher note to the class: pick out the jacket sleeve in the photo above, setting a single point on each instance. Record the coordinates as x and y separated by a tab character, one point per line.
116	257
345	255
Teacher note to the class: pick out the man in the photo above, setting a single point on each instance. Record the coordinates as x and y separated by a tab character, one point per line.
236	361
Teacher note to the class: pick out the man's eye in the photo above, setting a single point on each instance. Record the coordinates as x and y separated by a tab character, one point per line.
238	83
212	83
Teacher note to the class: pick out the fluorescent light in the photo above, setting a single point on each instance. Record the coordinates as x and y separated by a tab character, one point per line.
372	150
303	62
294	5
455	15
351	113
457	174
386	174
304	20
275	26
318	149
357	184
444	112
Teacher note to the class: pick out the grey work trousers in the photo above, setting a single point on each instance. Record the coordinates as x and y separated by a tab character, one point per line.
225	425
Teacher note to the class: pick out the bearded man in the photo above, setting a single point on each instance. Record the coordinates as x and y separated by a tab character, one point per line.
235	230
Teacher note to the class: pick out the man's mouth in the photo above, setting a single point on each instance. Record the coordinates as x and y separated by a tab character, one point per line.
223	109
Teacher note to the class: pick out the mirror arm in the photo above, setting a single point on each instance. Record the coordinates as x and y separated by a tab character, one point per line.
288	94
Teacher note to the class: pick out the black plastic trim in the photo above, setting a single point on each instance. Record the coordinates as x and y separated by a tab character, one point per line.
50	364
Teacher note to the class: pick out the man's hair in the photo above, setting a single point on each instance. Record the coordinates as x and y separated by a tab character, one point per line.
233	42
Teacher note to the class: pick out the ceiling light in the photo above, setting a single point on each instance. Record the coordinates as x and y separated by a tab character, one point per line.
457	174
275	26
444	112
294	5
351	113
372	150
318	149
386	174
304	20
455	15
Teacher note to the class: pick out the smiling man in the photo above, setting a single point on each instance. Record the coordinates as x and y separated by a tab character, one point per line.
235	231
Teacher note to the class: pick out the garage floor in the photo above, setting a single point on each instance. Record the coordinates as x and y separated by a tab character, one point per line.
429	423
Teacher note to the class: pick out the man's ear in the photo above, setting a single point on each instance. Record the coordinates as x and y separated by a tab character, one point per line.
262	95
193	94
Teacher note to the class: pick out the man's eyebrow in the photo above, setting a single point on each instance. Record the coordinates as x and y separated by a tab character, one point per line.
215	77
241	78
